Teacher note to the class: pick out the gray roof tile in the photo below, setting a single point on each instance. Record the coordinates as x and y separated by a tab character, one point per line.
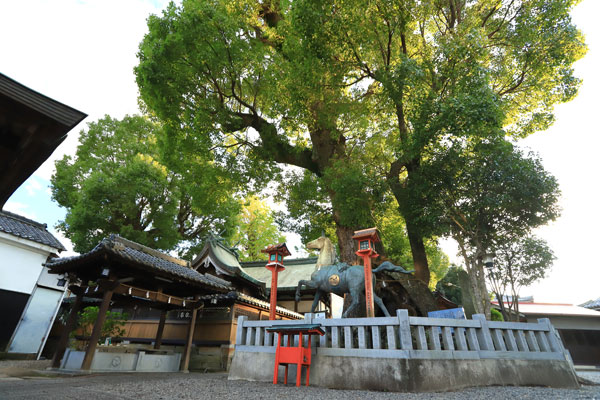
25	228
145	257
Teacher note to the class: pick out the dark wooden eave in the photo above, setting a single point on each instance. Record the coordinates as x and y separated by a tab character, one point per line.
31	128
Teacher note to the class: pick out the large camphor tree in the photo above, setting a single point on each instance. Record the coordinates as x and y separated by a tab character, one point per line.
355	89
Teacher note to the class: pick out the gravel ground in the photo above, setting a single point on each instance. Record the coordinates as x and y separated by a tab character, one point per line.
216	386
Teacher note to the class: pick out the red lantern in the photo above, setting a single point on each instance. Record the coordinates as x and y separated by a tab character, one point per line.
366	239
275	264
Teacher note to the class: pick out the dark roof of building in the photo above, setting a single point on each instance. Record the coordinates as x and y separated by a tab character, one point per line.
244	298
26	228
32	126
141	257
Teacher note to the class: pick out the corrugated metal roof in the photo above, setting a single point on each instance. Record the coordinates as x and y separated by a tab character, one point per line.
25	228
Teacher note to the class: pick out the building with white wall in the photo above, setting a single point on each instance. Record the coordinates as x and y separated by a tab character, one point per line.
29	296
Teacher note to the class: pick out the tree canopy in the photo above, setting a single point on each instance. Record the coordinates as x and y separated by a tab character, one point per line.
255	229
357	92
518	263
118	183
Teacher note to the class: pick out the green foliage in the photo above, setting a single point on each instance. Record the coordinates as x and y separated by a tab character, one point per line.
357	92
496	315
449	285
255	230
118	182
486	191
113	324
519	262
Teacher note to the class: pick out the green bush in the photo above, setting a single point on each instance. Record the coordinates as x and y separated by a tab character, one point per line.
496	315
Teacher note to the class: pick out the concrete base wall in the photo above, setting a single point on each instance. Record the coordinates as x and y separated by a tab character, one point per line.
408	375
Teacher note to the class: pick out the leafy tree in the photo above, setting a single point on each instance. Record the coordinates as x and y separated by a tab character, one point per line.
255	230
447	70
518	263
359	89
117	183
449	285
255	82
113	324
485	193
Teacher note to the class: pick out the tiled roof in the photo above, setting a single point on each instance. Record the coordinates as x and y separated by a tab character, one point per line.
25	228
592	304
244	298
143	256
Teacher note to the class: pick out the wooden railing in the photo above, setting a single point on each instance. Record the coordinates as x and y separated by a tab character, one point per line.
417	337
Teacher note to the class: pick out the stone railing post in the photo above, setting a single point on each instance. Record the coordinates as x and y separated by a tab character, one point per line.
483	335
404	329
239	335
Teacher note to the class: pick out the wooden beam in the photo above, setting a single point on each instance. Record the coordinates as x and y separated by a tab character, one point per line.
69	326
188	345
161	327
154	296
108	288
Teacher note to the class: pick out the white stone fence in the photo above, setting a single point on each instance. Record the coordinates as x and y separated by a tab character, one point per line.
405	337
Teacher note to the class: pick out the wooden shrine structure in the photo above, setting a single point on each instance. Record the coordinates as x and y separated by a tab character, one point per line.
123	272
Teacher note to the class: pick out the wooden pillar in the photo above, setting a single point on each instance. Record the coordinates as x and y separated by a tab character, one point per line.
161	327
70	325
89	354
188	344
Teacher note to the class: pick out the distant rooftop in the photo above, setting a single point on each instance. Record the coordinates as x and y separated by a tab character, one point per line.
26	228
557	309
592	304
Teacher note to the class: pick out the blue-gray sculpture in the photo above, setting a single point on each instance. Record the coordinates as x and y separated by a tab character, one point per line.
342	278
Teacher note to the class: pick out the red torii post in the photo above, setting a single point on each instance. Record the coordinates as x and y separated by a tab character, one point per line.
366	249
275	264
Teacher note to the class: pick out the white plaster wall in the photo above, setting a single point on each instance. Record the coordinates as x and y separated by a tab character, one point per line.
573	322
20	264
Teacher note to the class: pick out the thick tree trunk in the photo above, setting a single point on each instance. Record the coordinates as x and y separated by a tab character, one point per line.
346	244
417	247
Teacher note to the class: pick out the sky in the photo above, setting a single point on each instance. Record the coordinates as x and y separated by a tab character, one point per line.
82	53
